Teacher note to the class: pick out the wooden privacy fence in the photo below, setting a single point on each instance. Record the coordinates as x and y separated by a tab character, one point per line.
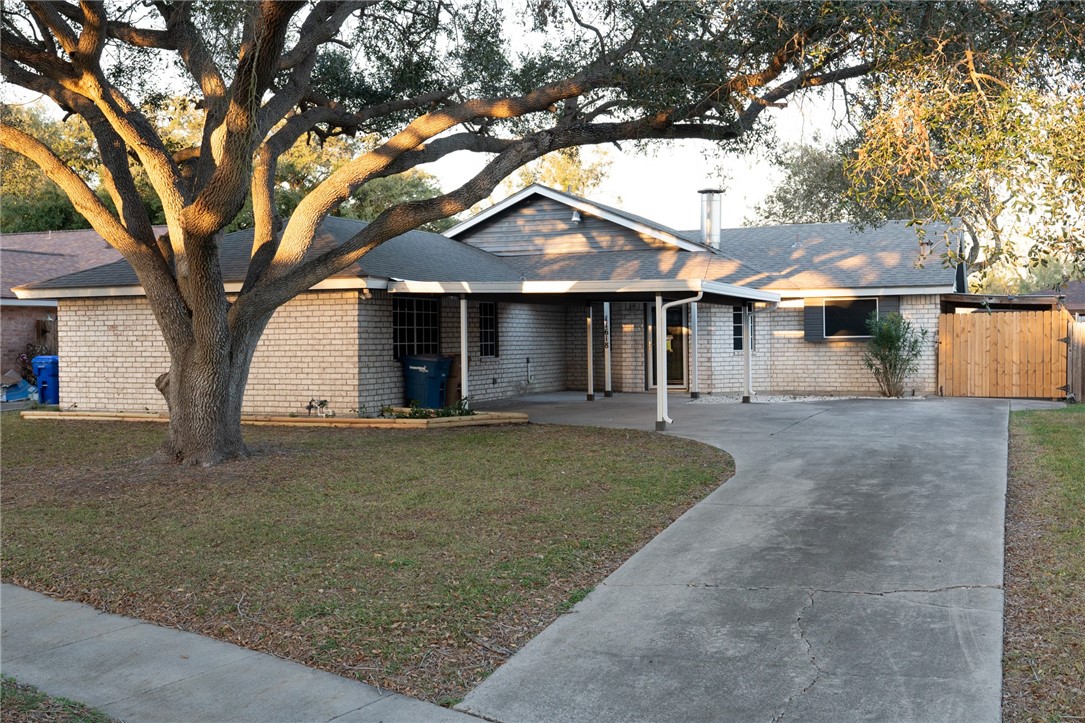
1075	362
1003	354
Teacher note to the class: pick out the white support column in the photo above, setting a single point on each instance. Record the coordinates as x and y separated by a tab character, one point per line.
694	363
747	352
661	366
591	357
463	349
608	390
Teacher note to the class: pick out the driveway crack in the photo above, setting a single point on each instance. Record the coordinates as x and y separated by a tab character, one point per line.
809	651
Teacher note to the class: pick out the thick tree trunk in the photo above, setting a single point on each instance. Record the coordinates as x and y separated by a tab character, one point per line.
204	390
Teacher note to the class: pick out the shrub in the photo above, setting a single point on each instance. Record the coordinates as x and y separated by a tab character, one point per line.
893	350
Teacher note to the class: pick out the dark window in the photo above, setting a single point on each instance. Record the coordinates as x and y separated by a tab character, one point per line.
737	328
416	326
487	328
847	317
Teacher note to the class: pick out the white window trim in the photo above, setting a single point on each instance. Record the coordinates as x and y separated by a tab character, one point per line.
753	330
496	330
877	310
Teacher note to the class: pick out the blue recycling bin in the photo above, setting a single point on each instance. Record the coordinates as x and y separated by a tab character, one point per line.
424	379
47	370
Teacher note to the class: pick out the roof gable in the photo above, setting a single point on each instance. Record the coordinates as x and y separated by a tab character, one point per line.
539	220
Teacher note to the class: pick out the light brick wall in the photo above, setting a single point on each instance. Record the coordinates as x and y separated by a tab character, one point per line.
783	361
111	352
524	331
308	351
338	346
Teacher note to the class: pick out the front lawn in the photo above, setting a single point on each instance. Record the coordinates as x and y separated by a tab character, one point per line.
1044	655
416	561
21	703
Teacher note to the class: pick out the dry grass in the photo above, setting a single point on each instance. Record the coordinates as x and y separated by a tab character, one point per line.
416	561
21	703
1044	653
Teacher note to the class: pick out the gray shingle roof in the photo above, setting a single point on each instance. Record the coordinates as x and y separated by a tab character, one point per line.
836	255
647	264
416	255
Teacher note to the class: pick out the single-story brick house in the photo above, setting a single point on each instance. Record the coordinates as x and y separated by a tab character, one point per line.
516	293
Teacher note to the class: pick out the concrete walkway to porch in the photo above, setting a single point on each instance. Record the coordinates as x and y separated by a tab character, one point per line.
851	570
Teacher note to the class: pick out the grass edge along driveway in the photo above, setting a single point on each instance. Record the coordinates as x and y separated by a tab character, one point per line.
417	561
1044	644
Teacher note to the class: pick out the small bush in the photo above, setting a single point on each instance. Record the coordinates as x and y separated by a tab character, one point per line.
893	351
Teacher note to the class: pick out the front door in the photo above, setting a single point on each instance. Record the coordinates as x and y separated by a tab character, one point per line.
677	340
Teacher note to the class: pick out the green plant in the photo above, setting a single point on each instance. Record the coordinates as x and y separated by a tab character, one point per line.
459	409
893	350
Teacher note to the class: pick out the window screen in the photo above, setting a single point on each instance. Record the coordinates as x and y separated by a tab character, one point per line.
416	326
487	328
848	317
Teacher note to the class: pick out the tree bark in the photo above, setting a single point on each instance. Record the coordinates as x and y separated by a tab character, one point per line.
204	390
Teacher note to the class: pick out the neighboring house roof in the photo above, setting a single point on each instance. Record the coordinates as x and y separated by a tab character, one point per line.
417	255
1073	293
30	257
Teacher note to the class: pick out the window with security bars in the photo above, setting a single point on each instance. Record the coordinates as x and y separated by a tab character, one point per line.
416	326
487	328
736	320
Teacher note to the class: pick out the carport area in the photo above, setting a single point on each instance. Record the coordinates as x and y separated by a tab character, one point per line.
851	569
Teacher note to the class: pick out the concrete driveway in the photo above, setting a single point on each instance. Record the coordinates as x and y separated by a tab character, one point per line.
851	570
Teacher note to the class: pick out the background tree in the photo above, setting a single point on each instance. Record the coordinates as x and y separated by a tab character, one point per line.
31	202
428	79
566	170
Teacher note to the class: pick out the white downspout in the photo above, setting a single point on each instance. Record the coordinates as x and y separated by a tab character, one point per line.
747	353
463	350
608	390
662	420
591	360
695	366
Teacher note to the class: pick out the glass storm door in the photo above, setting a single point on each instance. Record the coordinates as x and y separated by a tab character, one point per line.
677	340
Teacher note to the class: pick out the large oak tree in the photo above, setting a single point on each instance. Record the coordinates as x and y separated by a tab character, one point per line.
431	77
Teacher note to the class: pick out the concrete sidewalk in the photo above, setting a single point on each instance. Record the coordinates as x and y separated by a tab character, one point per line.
136	671
851	570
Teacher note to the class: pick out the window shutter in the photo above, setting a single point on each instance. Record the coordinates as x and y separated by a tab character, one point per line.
813	320
888	305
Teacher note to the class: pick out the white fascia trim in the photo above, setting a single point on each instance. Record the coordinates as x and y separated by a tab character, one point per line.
583	206
638	286
867	291
231	287
50	302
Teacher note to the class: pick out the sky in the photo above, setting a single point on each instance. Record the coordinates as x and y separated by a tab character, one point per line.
663	186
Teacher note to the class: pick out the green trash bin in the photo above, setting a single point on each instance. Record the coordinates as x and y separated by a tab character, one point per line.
424	379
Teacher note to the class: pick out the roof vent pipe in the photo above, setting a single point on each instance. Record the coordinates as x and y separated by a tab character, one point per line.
711	211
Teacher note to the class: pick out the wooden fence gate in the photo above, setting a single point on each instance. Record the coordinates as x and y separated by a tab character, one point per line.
1003	354
1075	362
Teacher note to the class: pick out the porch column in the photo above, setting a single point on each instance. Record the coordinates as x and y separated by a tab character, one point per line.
661	366
463	348
747	352
608	390
695	367
590	355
